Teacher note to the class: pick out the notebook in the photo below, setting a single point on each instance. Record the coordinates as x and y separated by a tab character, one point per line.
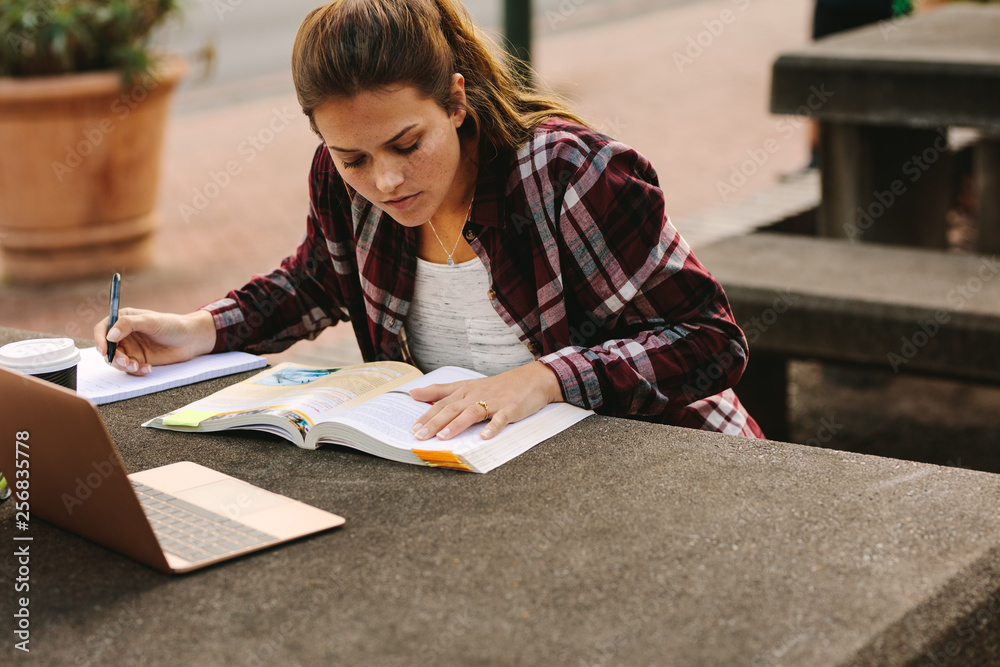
175	518
98	381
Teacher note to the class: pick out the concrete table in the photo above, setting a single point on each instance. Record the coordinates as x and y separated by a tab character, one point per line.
615	543
884	94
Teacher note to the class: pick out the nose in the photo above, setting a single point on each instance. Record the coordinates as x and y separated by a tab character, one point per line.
388	176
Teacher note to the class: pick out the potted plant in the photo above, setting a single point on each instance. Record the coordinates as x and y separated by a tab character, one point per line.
83	104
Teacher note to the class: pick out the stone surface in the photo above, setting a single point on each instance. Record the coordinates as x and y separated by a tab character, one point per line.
616	542
916	75
819	298
873	189
938	68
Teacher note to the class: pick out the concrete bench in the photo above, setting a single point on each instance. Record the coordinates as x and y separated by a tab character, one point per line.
903	309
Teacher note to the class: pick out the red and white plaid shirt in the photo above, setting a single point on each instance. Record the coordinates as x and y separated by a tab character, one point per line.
585	266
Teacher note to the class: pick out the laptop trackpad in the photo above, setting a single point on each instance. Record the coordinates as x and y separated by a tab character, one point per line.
232	498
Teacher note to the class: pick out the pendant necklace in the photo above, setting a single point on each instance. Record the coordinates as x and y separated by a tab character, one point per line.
451	262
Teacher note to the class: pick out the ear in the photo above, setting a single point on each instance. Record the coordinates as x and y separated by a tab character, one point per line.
458	100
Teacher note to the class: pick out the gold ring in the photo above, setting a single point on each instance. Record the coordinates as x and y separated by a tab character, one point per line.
485	407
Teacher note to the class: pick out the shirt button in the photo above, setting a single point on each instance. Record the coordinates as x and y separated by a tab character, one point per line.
389	322
491	294
470	235
531	347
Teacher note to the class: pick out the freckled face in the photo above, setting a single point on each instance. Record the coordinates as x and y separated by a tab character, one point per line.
397	149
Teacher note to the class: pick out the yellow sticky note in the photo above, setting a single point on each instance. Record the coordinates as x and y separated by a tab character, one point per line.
187	418
439	458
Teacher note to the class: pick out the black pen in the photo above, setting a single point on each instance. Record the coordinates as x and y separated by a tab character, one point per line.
116	288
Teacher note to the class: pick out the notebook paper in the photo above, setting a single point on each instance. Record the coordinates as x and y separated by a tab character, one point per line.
101	383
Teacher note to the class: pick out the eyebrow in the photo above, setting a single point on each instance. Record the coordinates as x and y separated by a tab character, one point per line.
358	150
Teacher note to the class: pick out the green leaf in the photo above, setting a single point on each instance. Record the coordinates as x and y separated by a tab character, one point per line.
39	37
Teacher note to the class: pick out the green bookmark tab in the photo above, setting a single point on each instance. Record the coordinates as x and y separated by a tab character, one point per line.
192	418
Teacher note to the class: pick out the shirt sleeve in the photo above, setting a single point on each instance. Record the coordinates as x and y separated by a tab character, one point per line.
304	294
655	327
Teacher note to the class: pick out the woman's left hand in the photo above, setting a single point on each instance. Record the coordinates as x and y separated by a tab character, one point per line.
509	397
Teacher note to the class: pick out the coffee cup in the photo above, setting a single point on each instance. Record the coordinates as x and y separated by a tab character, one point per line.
52	359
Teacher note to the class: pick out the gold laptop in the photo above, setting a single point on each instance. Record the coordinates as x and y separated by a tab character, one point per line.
175	518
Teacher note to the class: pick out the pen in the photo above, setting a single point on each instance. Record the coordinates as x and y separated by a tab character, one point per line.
116	287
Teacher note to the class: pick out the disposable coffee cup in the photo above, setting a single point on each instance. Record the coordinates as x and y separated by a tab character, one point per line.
52	359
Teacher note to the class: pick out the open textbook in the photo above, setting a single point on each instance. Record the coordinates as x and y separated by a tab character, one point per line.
364	406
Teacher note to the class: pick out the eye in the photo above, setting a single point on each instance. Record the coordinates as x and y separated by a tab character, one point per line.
409	149
352	165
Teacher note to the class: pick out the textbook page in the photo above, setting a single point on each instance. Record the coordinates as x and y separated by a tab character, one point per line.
390	416
387	419
302	396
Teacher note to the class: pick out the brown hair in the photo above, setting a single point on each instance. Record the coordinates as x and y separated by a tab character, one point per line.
349	46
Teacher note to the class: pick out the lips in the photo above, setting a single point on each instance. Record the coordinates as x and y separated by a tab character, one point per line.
402	203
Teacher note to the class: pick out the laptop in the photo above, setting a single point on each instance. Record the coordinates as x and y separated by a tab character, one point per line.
175	518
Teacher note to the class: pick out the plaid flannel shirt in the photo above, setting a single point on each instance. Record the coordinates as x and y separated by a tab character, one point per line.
585	266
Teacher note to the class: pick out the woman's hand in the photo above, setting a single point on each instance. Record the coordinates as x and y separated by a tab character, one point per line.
146	338
510	396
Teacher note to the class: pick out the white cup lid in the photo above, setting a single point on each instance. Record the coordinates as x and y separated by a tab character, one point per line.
43	355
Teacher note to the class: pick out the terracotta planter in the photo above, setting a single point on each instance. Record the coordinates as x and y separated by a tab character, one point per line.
79	169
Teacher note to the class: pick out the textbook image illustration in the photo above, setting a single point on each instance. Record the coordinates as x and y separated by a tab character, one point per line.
364	406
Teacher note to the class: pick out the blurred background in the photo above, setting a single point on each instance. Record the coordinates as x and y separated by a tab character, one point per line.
667	77
613	60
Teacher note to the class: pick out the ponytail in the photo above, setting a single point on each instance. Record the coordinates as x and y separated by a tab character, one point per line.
349	46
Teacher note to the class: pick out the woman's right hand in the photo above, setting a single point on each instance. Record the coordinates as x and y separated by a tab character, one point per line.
146	338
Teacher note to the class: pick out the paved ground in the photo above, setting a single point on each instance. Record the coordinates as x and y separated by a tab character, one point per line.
252	39
679	84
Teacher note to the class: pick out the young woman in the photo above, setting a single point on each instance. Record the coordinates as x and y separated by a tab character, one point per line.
457	220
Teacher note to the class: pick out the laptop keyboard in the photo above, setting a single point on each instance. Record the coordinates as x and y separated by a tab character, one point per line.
194	533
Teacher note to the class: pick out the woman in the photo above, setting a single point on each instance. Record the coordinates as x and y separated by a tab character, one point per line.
457	220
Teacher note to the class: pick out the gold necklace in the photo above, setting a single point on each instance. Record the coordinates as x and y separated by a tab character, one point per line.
451	262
